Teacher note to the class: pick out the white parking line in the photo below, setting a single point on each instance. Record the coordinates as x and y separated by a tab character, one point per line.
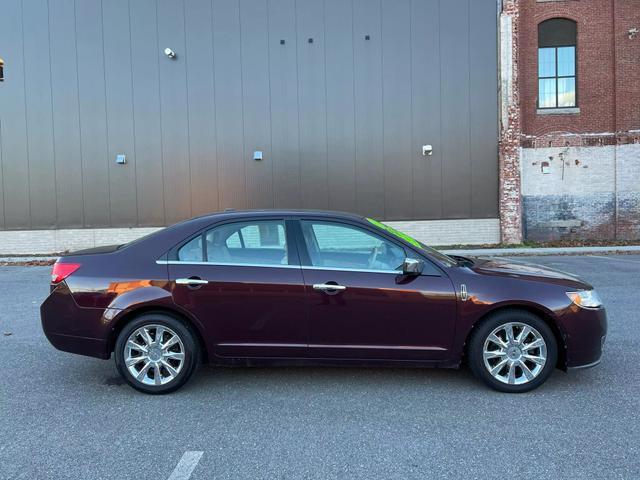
185	466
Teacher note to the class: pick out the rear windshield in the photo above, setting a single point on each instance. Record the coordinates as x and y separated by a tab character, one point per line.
416	243
138	240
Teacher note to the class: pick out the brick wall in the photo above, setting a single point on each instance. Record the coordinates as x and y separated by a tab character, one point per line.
510	126
627	61
580	172
595	67
581	191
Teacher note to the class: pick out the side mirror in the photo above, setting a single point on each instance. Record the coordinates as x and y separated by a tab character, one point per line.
411	266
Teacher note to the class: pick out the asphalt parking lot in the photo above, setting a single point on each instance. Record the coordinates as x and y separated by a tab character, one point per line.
66	416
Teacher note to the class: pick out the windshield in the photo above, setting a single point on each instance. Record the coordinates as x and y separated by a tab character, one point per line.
416	243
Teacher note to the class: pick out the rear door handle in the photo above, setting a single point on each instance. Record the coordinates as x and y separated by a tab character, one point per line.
328	288
191	281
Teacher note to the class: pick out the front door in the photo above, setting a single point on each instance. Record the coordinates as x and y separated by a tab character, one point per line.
360	304
244	284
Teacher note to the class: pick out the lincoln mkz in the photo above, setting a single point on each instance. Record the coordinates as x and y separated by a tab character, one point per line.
322	288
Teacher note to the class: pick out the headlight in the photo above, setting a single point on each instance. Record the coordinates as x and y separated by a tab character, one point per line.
585	298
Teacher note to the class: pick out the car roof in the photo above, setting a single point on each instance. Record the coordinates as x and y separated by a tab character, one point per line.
161	240
232	213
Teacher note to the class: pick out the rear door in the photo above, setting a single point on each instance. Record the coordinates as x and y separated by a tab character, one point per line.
361	306
243	282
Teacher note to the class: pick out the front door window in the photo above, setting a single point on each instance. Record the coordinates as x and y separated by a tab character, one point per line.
343	246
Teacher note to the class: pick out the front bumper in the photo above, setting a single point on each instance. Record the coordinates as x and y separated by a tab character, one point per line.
588	365
585	333
71	328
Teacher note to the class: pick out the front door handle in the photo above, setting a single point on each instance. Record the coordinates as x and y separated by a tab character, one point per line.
329	288
192	282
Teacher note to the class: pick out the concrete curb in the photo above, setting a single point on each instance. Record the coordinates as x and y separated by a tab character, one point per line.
502	252
24	259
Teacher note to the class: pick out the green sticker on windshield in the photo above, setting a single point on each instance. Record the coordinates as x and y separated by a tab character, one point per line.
395	232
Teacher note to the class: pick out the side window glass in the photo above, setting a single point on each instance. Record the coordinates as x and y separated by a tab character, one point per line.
261	242
191	251
263	235
234	241
335	245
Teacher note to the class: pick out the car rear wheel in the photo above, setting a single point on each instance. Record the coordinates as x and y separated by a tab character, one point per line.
513	351
156	353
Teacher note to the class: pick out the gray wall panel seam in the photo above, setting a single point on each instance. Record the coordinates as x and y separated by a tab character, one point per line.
106	119
440	142
215	102
186	89
469	112
161	132
326	106
270	158
384	170
133	120
413	140
53	125
242	105
75	41
355	121
26	122
295	36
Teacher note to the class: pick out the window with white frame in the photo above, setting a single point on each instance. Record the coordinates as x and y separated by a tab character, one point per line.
557	63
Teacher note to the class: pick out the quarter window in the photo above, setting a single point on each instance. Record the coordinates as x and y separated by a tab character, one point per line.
557	63
191	251
335	245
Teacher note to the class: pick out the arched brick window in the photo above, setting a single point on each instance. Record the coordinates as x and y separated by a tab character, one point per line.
557	63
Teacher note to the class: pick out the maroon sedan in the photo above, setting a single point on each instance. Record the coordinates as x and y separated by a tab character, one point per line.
307	287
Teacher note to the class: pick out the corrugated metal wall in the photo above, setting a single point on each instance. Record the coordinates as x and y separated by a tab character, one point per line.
339	95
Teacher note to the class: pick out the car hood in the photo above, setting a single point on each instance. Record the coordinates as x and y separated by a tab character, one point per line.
528	271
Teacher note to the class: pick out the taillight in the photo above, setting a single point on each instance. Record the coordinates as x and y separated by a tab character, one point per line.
62	271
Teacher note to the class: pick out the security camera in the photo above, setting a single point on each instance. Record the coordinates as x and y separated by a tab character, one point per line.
169	53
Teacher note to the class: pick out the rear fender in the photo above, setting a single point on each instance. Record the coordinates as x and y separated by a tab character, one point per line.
141	300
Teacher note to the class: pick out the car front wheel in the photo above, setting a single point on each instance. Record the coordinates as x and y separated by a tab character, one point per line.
513	351
156	353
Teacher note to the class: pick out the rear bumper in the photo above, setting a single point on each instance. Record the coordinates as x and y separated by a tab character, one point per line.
91	347
74	329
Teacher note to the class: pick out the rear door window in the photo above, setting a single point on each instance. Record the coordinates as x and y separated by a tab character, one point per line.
260	242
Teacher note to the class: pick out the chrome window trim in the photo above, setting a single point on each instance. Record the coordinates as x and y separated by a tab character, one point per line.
331	269
346	269
223	264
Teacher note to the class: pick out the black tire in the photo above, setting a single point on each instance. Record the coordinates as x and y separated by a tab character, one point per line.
482	331
189	343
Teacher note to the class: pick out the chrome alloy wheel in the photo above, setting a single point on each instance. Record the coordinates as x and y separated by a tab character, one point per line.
154	355
514	353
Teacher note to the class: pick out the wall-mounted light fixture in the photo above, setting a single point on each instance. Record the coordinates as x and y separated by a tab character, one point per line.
427	150
633	32
169	53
